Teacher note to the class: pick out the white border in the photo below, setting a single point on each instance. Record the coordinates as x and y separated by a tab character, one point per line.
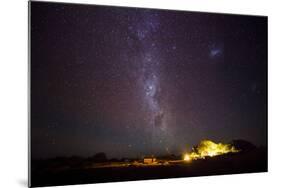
14	77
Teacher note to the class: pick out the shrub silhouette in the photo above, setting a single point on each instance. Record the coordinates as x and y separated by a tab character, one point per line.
243	145
98	157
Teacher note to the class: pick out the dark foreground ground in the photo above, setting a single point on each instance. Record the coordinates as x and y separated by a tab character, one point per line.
254	161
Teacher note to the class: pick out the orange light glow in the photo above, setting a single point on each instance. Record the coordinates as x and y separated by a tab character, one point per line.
186	157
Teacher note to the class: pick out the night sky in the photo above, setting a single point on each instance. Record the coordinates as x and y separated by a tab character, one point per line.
131	82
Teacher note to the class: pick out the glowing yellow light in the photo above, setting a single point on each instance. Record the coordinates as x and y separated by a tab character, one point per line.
208	148
186	157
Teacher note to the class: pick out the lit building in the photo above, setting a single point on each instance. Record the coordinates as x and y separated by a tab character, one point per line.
149	160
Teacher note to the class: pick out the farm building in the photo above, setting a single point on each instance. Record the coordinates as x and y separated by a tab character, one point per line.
149	160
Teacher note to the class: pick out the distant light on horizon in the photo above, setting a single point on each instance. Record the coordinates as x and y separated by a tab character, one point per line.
186	157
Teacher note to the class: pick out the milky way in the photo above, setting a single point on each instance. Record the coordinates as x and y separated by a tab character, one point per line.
132	82
149	76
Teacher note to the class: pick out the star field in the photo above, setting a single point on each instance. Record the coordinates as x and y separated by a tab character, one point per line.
132	82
